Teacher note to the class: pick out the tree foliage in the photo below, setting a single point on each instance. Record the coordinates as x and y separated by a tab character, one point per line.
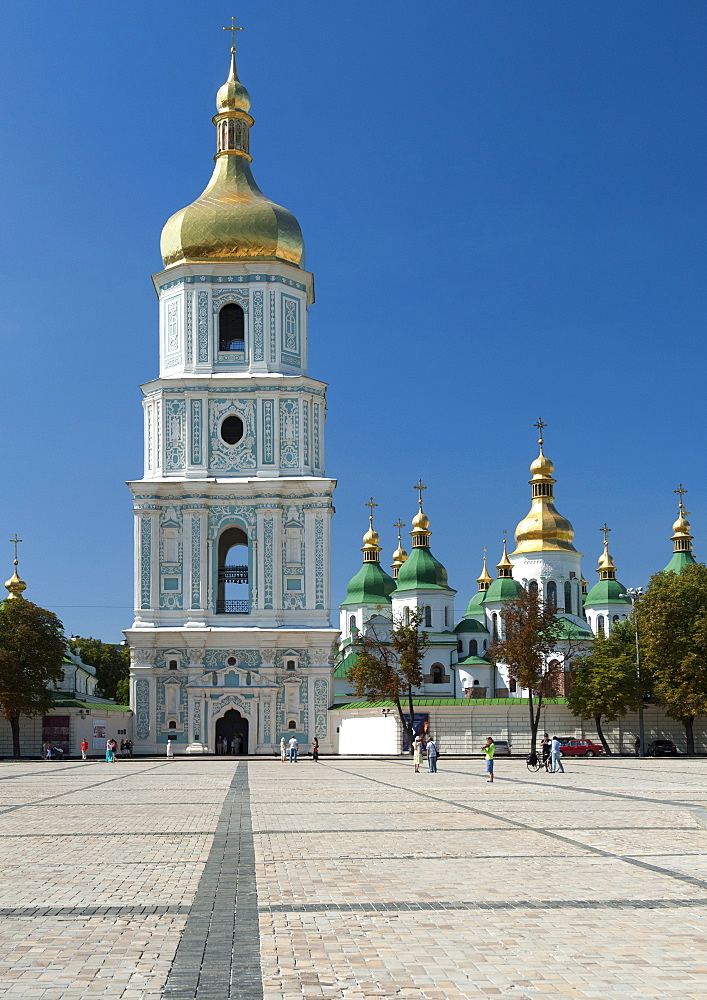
32	647
672	624
112	663
530	633
388	663
604	680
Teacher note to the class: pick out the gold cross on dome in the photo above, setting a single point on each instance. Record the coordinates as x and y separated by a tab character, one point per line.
15	541
420	487
399	525
370	505
233	29
606	529
681	491
539	424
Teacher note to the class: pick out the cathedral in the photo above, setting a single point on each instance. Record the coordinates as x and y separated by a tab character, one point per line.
232	639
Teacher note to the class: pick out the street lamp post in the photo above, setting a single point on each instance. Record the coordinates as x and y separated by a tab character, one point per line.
635	593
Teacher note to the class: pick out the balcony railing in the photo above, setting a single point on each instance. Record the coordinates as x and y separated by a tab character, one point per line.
232	607
233	574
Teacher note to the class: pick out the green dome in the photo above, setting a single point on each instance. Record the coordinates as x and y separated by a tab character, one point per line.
475	607
470	625
371	585
421	571
607	592
504	588
679	561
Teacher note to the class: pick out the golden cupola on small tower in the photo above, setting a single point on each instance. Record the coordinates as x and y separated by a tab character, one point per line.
543	529
232	219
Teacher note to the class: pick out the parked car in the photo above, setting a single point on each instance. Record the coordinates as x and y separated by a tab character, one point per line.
581	748
662	748
503	748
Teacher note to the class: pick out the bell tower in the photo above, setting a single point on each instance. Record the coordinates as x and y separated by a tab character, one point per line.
232	515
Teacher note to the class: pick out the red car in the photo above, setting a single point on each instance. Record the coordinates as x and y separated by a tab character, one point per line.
581	748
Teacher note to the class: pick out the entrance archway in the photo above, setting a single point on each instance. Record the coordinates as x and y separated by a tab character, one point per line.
230	727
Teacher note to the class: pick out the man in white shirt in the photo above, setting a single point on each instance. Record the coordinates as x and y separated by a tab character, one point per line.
556	754
294	747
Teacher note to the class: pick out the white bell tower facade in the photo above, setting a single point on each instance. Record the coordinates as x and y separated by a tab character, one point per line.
231	641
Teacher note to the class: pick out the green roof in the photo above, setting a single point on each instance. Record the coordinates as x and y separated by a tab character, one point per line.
607	592
504	588
679	561
570	630
476	605
421	571
371	585
473	661
470	625
442	702
346	664
60	701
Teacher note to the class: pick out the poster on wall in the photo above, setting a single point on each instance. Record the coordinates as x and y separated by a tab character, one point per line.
55	730
99	734
420	727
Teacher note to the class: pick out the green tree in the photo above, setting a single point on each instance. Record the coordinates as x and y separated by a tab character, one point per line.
32	647
672	626
531	631
388	664
111	660
604	681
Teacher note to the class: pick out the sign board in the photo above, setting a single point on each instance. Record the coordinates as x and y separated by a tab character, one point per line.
99	734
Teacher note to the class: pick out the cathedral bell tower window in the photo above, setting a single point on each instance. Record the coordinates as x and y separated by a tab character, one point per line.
552	594
233	594
231	328
568	597
232	429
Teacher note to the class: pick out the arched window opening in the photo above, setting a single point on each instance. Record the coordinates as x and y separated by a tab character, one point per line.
172	724
601	625
485	645
290	665
533	588
446	617
291	724
494	627
460	646
231	328
172	664
406	615
552	594
512	685
428	616
352	623
437	673
473	647
233	594
214	678
568	597
615	618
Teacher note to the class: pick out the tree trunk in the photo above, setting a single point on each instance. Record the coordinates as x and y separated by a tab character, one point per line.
407	727
15	728
411	714
600	734
534	718
689	735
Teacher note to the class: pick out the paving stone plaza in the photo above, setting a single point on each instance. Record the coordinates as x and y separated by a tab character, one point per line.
223	878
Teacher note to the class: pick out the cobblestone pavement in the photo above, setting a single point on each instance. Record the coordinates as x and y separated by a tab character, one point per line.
254	880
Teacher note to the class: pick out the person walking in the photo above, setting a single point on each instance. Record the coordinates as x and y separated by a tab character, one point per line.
84	749
489	750
417	746
315	750
294	747
432	754
283	750
546	747
110	756
170	750
556	755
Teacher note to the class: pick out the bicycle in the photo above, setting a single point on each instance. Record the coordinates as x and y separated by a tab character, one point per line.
535	763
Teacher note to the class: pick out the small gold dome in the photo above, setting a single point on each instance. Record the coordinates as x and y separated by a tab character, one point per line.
400	555
682	525
232	96
485	578
542	467
15	586
371	539
420	521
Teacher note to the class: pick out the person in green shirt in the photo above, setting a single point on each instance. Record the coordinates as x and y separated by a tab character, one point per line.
489	748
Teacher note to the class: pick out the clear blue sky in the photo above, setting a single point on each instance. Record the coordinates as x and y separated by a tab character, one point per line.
503	204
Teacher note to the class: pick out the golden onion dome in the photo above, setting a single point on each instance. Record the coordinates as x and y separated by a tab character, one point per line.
232	96
542	467
605	562
543	529
371	539
682	525
232	220
420	521
15	586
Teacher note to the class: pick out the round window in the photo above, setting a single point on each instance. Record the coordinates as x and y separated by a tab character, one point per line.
231	661
232	430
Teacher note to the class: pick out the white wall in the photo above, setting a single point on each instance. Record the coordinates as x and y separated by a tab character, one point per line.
371	735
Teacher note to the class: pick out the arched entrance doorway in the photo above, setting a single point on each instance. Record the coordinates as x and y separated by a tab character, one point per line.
230	727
